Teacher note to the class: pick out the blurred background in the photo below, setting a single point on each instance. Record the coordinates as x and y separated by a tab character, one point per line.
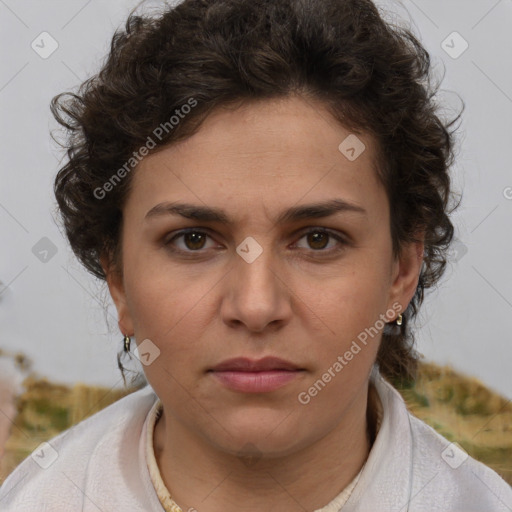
60	320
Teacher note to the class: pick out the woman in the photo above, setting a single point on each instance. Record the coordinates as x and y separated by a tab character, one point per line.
264	187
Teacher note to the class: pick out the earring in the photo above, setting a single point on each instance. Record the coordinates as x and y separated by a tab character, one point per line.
399	319
127	340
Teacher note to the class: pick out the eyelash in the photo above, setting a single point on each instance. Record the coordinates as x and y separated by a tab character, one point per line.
329	233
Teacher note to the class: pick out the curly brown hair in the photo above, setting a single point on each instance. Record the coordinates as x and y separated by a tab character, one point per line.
372	75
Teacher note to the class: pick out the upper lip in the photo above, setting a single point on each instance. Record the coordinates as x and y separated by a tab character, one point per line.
243	364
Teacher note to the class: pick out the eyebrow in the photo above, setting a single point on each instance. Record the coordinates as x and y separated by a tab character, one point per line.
293	214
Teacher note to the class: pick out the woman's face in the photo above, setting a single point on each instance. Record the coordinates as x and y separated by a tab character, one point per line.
248	281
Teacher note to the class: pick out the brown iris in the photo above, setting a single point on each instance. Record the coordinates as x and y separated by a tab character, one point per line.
317	237
196	240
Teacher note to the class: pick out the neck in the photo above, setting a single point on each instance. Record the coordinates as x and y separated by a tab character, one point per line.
199	475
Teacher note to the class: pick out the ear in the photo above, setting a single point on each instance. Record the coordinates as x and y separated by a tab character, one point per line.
406	272
116	287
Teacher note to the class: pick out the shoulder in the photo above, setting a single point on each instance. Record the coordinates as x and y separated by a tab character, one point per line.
442	473
456	472
55	473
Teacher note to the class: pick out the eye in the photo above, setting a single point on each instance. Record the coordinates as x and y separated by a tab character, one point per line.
318	238
193	240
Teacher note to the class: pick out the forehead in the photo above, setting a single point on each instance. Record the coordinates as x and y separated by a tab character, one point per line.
270	151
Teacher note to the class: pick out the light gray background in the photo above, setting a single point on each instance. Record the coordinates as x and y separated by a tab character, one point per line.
53	311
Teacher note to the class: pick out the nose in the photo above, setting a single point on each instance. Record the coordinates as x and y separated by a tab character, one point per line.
256	295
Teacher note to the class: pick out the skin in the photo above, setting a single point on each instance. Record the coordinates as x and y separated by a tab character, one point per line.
301	300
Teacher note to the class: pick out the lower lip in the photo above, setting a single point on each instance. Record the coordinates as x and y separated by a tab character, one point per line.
256	382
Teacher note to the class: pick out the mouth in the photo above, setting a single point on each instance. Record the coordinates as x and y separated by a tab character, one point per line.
255	376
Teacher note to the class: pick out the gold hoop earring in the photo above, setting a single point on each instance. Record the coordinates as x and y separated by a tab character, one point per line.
399	319
127	340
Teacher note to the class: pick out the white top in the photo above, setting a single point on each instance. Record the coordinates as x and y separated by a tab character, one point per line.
100	465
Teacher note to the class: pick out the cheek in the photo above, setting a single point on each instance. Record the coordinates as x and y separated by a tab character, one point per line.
349	308
171	309
162	294
351	300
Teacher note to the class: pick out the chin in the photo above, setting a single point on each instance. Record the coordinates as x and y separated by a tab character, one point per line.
254	448
254	435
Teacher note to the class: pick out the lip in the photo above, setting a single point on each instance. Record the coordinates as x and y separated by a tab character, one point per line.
256	376
244	364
